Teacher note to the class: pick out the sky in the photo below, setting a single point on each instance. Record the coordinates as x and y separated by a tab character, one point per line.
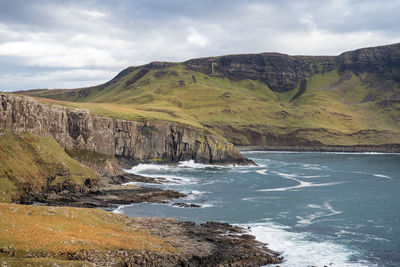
71	44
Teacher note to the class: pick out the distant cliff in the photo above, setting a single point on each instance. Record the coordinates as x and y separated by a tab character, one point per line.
131	141
282	73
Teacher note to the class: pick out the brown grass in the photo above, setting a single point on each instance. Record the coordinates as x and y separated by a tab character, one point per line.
59	230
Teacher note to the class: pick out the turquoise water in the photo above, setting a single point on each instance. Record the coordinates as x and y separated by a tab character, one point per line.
334	209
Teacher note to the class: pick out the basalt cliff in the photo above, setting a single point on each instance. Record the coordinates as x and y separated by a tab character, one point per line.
127	140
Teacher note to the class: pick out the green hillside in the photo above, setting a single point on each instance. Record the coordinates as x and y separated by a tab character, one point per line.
31	165
263	99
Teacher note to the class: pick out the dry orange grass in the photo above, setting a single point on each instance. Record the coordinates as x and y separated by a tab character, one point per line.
61	230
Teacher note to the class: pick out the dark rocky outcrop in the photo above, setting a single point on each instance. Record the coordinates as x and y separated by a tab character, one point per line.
283	73
129	140
302	90
383	61
105	192
306	139
280	72
208	244
109	197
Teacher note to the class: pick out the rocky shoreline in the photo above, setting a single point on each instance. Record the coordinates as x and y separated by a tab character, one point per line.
103	144
207	244
137	241
109	195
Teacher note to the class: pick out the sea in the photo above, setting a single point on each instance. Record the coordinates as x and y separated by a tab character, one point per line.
317	209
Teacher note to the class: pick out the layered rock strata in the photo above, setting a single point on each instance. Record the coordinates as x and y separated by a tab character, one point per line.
129	140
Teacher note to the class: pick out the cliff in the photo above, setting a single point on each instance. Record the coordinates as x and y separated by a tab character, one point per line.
280	72
382	60
128	140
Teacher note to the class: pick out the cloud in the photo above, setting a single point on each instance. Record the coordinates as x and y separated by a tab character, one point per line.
75	78
71	43
196	38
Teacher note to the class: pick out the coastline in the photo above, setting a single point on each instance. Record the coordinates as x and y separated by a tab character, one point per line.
387	148
94	237
190	244
110	194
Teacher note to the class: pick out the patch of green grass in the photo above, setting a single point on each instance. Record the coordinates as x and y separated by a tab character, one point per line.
28	161
87	156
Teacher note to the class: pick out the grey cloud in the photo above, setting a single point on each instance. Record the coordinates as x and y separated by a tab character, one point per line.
63	43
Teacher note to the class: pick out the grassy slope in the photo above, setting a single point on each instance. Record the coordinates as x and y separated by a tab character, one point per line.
27	162
330	102
60	230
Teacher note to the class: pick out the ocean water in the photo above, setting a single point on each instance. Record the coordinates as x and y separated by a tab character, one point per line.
318	209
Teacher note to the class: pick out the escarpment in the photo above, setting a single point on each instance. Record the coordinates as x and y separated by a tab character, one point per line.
130	140
280	72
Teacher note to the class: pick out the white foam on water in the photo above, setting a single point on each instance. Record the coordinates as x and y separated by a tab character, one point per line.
302	184
316	167
175	180
171	172
262	171
375	174
382	176
298	251
360	237
166	171
314	176
194	194
147	167
255	198
208	205
148	170
292	176
190	164
194	165
326	210
314	206
119	209
287	175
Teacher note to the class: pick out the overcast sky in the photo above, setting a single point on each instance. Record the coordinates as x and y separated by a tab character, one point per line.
70	44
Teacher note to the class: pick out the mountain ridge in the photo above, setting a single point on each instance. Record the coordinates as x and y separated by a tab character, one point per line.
254	99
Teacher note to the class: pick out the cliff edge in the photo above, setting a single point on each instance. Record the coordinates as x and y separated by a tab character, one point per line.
129	140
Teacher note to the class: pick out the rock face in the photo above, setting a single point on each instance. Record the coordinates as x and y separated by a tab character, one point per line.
132	141
280	72
382	60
